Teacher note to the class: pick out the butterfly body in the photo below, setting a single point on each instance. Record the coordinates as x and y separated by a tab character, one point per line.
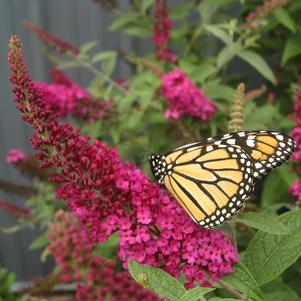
211	179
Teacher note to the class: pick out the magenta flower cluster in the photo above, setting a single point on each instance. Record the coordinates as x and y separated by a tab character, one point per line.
67	98
109	196
161	32
62	94
14	156
185	98
94	275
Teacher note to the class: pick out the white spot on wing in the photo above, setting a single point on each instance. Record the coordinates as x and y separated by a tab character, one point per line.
251	143
258	165
231	141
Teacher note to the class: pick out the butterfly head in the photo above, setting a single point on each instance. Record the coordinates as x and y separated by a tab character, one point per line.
158	166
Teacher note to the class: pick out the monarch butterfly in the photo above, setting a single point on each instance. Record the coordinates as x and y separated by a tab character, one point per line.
212	179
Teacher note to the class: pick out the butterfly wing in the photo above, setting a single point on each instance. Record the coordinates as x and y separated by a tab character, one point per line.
211	182
266	149
212	178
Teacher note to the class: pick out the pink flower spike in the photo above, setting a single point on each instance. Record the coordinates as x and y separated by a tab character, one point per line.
161	32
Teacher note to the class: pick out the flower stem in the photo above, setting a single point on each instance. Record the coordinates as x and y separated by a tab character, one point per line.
231	290
232	225
97	72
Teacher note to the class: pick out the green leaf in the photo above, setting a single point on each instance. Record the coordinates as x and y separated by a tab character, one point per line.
137	31
92	129
260	117
227	54
222	299
205	70
126	102
146	4
207	8
279	291
107	59
218	32
87	47
39	242
268	255
180	11
122	20
104	55
108	249
258	63
242	280
294	6
219	91
292	49
287	175
189	68
156	279
44	255
281	296
263	222
274	188
283	17
134	119
195	294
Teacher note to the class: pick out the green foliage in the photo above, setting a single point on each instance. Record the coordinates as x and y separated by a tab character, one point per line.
157	280
6	281
263	222
277	181
285	19
163	284
256	61
268	255
279	291
109	248
195	294
43	206
242	280
39	242
223	299
292	48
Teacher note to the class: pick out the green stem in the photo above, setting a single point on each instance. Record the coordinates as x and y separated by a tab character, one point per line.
232	225
237	42
196	33
231	290
97	72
